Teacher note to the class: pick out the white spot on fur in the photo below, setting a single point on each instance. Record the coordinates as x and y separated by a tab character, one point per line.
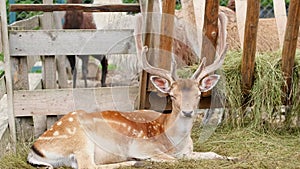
56	133
141	134
71	131
124	124
59	123
74	113
129	128
71	119
135	132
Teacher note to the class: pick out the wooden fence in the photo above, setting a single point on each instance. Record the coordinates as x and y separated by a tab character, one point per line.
24	44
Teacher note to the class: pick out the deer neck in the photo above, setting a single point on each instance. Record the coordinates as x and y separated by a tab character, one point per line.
178	128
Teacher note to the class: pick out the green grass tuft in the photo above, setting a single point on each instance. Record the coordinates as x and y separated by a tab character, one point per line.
265	96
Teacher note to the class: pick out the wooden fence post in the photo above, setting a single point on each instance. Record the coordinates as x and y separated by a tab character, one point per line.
166	33
249	47
280	15
209	41
49	65
165	45
148	42
8	75
289	46
210	29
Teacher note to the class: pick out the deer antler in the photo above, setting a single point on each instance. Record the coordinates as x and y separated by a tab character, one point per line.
203	70
142	52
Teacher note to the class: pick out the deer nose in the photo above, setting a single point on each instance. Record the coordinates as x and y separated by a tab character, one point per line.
187	113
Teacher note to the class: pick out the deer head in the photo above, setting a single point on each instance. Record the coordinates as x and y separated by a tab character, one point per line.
185	93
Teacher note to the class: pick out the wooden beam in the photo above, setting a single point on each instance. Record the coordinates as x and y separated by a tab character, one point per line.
249	48
73	7
166	34
210	30
9	82
280	16
241	12
27	24
57	42
62	101
2	87
290	45
148	42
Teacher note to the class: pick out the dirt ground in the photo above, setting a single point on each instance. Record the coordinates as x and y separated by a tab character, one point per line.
267	36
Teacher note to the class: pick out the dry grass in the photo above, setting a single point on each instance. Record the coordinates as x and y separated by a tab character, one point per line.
277	147
255	150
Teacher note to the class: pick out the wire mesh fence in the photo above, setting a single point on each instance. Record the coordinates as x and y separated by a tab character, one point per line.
266	7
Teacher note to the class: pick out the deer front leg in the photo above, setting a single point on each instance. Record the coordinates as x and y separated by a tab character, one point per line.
208	156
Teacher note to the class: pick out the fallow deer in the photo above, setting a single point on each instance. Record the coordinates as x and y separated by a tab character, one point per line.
112	138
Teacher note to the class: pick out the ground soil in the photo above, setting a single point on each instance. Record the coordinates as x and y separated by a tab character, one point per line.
267	36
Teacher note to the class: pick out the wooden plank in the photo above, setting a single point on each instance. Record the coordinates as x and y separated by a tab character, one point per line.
280	16
166	34
5	141
290	45
24	125
199	9
49	62
72	7
27	24
9	83
148	42
249	48
57	42
210	29
1	36
241	10
21	73
2	86
62	101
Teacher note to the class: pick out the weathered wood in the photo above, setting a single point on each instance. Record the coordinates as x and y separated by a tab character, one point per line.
9	83
280	15
73	7
148	42
1	36
289	46
27	24
24	126
166	34
21	73
62	101
249	48
57	42
199	9
241	10
49	62
210	30
2	86
5	143
62	77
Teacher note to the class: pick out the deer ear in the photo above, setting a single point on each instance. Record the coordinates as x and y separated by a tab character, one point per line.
160	84
209	82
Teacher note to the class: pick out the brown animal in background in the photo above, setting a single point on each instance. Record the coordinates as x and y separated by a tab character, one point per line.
80	20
